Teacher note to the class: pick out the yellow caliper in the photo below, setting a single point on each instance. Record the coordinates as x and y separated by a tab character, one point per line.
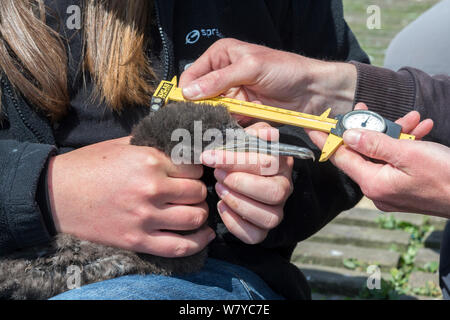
168	91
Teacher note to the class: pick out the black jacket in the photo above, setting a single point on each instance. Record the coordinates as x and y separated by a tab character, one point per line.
309	27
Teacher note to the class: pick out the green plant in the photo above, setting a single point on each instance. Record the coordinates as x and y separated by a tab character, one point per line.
352	263
387	222
431	267
386	292
430	290
409	256
400	276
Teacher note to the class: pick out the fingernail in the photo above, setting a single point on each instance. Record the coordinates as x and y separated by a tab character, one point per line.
352	137
193	91
208	158
220	207
265	161
212	236
220	175
221	190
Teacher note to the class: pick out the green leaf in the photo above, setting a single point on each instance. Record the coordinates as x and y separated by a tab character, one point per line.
432	267
351	263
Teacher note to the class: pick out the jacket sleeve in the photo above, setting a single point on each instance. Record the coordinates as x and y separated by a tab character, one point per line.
394	94
21	222
23	159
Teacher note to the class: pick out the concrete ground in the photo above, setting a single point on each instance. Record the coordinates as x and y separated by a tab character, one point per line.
405	248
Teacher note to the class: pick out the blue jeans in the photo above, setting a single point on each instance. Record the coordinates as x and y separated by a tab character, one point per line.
218	280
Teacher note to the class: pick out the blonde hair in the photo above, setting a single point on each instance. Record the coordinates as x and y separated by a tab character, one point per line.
34	59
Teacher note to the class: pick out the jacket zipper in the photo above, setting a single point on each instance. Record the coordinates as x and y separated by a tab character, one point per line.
11	94
167	55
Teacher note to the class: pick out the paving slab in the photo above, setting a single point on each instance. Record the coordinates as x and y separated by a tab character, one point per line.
419	279
330	254
331	280
437	222
362	236
369	218
425	256
366	204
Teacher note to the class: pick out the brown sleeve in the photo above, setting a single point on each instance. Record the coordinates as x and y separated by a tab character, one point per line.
394	94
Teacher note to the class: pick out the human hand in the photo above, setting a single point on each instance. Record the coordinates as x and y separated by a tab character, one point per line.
129	197
253	191
408	176
251	72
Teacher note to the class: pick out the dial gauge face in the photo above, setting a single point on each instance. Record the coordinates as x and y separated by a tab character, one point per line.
363	119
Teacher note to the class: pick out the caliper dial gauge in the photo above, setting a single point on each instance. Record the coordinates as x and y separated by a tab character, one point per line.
360	119
364	119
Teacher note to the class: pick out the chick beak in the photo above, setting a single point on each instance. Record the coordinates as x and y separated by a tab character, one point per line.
249	143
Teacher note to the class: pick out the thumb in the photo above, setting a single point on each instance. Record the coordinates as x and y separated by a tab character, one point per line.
374	145
216	82
124	140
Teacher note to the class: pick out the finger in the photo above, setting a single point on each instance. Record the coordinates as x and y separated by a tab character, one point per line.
216	56
258	126
352	163
361	106
214	76
264	131
409	121
158	158
172	245
250	162
358	168
217	82
186	171
261	215
423	129
269	190
216	71
182	191
179	217
317	137
375	145
244	230
124	140
244	121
